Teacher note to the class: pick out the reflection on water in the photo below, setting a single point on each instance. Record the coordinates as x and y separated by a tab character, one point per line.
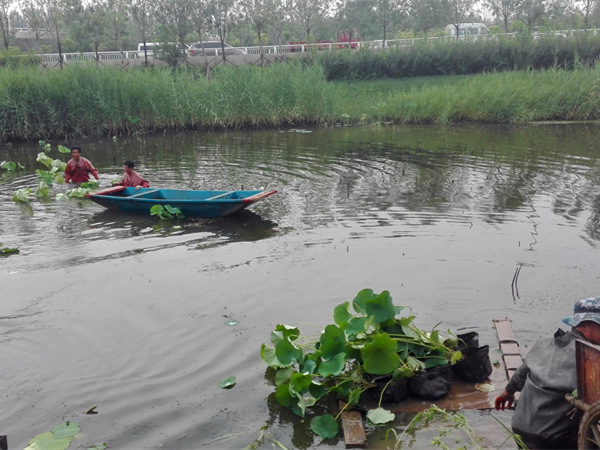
462	224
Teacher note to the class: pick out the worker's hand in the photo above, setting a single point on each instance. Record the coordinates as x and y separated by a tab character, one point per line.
504	400
137	188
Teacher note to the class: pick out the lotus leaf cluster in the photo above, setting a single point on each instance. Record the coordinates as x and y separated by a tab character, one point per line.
369	338
166	212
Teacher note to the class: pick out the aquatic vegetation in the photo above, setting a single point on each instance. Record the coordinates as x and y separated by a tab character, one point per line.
59	438
22	195
43	190
166	212
228	383
453	426
11	166
5	251
367	341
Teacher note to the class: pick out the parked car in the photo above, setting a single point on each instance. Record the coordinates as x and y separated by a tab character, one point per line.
155	48
213	48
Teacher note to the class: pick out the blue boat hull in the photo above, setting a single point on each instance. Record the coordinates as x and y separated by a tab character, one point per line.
190	203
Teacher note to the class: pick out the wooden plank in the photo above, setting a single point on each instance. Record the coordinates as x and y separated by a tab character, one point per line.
509	347
141	194
224	194
353	428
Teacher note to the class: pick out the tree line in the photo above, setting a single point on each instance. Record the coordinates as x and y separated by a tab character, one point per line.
74	25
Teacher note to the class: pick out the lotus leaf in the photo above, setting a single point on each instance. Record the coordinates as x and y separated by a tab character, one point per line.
325	426
228	383
284	332
332	341
379	356
304	401
283	375
287	353
63	149
268	355
47	441
65	430
284	397
300	382
354	396
341	315
309	366
334	366
379	415
43	190
317	390
357	325
22	195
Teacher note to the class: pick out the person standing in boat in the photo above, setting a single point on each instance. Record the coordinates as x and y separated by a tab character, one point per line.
131	177
78	168
543	417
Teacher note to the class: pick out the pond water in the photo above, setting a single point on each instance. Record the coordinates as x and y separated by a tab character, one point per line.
144	319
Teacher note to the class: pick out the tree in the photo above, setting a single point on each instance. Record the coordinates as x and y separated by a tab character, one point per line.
4	22
458	11
141	14
174	17
428	14
96	19
34	14
308	13
587	8
55	12
259	13
386	11
504	10
223	14
117	22
530	12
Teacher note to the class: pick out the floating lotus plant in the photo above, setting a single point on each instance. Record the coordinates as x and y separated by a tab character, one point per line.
5	251
11	166
367	340
22	195
166	212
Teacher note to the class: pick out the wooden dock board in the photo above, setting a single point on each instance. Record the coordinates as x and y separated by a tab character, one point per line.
353	429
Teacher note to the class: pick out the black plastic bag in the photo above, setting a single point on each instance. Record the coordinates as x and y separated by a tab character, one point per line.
431	384
395	392
475	365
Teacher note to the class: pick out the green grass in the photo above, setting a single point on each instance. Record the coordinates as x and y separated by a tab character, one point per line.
87	100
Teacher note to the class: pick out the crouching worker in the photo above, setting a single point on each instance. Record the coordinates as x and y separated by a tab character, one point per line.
543	418
131	177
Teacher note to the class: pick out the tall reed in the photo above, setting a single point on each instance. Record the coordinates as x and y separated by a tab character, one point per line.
86	100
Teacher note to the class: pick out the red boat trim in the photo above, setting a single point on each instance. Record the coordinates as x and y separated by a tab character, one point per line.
259	196
110	190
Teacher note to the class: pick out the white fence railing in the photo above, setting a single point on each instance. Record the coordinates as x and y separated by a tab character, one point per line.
306	47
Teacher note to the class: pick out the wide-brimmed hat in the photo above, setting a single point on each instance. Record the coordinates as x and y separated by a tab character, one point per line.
587	309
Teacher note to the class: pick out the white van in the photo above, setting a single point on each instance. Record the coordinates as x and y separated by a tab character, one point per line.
148	48
468	30
153	48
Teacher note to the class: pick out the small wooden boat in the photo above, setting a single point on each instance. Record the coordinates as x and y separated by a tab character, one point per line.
190	203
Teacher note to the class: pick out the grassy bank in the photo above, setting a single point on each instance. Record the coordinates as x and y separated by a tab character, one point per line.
86	100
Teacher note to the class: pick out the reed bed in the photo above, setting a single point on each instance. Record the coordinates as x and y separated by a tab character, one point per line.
85	100
505	97
448	57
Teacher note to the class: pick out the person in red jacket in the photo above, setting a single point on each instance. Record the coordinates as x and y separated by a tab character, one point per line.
78	168
131	177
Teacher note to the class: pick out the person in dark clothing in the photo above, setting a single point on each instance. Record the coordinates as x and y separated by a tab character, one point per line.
543	418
